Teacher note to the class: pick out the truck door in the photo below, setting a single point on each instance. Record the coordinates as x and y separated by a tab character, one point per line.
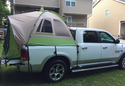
89	48
110	50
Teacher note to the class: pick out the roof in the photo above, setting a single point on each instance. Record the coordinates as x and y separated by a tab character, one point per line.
121	1
96	3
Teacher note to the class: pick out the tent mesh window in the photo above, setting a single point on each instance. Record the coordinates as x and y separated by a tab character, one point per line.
47	27
60	29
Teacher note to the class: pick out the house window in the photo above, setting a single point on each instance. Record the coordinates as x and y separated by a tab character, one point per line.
68	18
107	13
71	3
67	2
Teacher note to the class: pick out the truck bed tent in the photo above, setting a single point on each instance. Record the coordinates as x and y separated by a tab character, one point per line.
35	29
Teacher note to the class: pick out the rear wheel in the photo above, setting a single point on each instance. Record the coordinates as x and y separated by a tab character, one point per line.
56	70
122	62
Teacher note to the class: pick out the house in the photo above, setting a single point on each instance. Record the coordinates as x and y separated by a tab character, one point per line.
73	11
109	15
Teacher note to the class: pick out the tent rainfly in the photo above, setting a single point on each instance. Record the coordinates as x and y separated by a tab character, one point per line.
35	29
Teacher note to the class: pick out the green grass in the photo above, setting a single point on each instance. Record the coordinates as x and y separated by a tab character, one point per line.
1	46
9	76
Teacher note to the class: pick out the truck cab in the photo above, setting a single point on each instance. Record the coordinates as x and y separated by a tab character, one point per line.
96	47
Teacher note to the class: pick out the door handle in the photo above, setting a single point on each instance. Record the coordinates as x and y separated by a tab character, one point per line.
104	47
84	47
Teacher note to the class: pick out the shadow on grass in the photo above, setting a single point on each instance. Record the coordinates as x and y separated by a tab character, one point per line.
12	77
17	77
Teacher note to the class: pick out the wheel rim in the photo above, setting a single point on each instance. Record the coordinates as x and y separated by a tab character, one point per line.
56	72
123	63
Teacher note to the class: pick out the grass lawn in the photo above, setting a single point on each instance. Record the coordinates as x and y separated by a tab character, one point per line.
102	77
1	47
9	76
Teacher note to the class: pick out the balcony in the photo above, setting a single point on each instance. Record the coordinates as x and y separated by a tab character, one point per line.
75	24
45	3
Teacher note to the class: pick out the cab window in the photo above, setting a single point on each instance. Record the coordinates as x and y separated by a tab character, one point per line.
106	38
90	37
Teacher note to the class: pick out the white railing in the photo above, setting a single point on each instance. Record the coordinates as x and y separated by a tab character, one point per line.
75	24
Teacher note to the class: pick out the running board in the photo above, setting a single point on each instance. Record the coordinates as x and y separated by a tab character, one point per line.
86	69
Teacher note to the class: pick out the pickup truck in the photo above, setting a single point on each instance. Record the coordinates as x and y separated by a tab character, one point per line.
85	49
95	49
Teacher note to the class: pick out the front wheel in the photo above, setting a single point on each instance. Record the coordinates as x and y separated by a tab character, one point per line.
56	71
122	62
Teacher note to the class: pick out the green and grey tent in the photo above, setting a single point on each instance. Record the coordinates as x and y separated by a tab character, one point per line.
36	29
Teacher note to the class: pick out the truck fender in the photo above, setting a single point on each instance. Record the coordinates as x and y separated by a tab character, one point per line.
59	54
120	56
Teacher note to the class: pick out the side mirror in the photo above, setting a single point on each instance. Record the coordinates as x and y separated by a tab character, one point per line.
117	41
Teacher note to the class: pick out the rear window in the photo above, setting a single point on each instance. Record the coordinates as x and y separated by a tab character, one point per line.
73	32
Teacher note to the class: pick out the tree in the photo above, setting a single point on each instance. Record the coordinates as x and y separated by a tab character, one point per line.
3	10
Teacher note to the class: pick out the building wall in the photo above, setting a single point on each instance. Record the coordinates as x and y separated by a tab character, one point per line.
111	23
79	12
46	3
82	7
22	9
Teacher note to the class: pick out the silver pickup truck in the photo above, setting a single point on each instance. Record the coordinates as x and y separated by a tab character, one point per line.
54	49
95	49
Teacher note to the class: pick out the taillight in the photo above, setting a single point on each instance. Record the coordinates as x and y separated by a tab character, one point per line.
24	55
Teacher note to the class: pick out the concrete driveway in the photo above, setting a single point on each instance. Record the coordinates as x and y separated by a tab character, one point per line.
122	40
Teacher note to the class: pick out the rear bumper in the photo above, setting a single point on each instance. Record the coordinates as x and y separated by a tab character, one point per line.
7	61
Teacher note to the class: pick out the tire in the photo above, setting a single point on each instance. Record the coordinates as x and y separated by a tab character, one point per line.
122	62
55	71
